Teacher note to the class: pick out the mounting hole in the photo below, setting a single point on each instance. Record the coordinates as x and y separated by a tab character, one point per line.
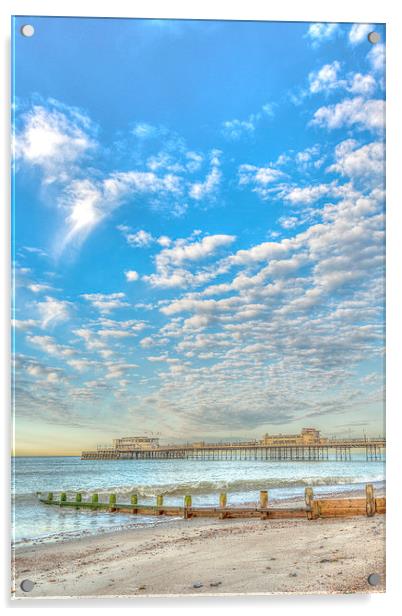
373	579
374	38
27	30
27	585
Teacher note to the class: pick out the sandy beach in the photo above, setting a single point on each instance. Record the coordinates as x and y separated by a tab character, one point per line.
204	557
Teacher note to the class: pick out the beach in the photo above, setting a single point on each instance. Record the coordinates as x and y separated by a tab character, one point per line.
210	557
83	553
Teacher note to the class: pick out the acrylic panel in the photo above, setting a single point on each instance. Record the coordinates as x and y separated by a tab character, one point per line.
198	307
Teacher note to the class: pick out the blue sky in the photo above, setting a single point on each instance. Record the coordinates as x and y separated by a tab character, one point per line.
198	230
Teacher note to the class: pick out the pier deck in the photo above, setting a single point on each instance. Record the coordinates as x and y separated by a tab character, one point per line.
330	449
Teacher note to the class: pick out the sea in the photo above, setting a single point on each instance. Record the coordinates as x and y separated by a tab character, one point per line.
34	522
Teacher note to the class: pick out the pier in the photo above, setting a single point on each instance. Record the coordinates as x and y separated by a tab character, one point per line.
307	446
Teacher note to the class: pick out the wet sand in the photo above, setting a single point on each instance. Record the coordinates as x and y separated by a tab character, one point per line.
201	557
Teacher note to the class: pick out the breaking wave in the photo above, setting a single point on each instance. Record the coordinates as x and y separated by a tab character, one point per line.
234	486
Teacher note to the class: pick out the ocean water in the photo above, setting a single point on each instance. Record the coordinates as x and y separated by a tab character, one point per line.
242	480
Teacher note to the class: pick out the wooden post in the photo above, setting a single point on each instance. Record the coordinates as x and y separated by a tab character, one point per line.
78	497
50	497
112	502
309	497
222	504
63	497
159	503
263	499
316	511
187	505
94	499
134	502
264	504
370	500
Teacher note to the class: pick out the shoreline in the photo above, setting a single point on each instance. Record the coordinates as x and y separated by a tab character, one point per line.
199	556
135	522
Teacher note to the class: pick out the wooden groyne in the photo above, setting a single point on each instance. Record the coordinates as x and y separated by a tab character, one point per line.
314	507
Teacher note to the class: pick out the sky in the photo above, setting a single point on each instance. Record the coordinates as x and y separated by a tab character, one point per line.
198	230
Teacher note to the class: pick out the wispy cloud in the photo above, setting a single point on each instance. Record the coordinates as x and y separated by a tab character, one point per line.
106	302
259	178
208	187
235	129
54	138
53	311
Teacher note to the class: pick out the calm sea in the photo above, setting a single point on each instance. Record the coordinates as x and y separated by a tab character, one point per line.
242	480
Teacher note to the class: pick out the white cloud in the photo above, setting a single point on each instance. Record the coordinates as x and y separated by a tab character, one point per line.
81	364
120	184
147	342
88	336
308	194
106	302
115	333
203	306
309	157
164	241
88	202
24	325
38	370
118	370
54	138
207	188
260	252
132	324
362	84
53	311
142	130
376	57
49	346
235	129
83	202
194	161
38	288
320	32
170	262
195	251
140	238
35	250
367	162
131	275
359	32
364	114
325	79
288	222
259	178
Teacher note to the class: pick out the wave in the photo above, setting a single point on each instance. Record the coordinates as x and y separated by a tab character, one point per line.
58	536
233	486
